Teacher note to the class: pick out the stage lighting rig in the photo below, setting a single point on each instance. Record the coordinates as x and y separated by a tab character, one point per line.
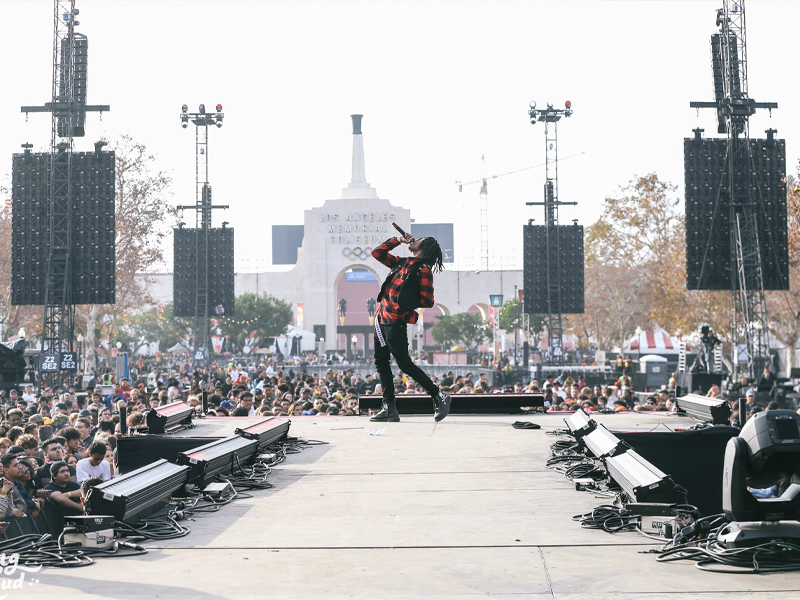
766	454
128	495
267	431
218	457
643	481
712	410
169	418
602	443
579	424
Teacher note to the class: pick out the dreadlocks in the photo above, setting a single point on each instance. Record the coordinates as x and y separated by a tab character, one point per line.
431	254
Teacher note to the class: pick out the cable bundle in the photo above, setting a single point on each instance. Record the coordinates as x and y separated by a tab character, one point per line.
35	550
609	518
775	556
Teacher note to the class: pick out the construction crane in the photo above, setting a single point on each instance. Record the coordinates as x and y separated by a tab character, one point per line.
484	201
484	208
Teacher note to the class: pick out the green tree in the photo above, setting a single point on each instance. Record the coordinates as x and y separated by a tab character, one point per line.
156	325
473	329
257	318
511	318
461	328
445	331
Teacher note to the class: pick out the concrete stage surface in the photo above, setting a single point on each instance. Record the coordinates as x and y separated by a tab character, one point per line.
465	510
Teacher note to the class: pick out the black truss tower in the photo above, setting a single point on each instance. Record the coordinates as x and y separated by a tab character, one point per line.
67	110
734	108
550	117
202	207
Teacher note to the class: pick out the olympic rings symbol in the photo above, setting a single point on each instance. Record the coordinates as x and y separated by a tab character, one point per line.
356	253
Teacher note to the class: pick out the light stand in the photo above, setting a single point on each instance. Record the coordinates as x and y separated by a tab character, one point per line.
550	117
202	207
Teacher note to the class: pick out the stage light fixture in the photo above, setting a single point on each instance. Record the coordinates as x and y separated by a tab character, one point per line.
128	495
580	424
219	122
202	109
267	431
173	416
219	107
712	410
602	443
184	108
218	457
641	480
766	453
567	104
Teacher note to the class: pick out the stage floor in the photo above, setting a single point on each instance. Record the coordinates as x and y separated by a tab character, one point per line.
465	510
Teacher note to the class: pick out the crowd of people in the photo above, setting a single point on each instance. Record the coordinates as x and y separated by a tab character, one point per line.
56	443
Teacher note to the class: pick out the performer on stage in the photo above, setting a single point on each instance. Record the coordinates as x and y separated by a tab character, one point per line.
408	286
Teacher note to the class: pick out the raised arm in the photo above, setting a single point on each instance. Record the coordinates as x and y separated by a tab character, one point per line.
381	253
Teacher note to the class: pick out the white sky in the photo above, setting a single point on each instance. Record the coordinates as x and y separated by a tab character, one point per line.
439	85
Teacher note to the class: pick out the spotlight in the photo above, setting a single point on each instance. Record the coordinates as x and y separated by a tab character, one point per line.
220	456
184	108
580	424
267	431
713	410
766	453
643	481
202	109
533	104
602	443
125	496
173	417
219	122
219	107
567	104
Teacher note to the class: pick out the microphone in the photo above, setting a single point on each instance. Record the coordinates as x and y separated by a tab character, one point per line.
396	226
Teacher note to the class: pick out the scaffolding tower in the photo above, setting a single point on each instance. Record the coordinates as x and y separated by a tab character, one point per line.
202	207
748	309
67	110
550	116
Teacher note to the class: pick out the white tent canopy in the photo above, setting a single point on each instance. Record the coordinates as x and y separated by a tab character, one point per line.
653	342
178	348
307	340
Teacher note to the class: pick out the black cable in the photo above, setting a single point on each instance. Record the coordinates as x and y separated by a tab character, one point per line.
609	518
774	556
35	550
163	527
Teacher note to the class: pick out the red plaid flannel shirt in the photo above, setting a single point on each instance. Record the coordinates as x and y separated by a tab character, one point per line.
389	310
